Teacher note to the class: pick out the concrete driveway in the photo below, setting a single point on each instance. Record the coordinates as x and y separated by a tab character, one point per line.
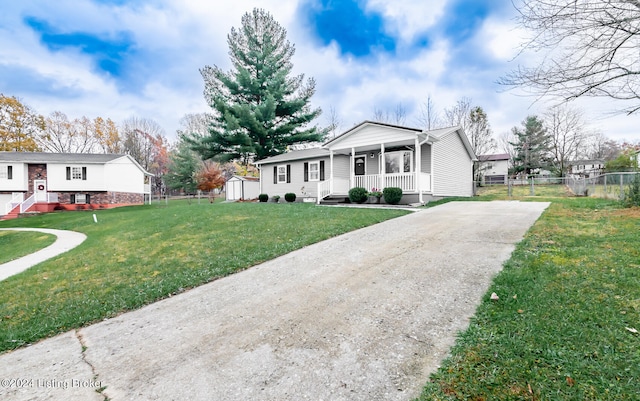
364	316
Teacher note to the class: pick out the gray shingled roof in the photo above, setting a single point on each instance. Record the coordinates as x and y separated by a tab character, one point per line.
496	157
296	155
42	157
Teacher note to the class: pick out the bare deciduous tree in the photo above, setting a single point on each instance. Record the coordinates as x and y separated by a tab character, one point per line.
429	118
397	117
601	147
138	139
195	124
459	114
333	123
81	135
568	134
588	48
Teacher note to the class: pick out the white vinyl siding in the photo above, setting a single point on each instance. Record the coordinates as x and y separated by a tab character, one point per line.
121	175
372	135
6	172
425	160
298	185
453	169
65	177
341	167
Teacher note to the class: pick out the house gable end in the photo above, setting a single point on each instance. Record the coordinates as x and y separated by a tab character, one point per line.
372	134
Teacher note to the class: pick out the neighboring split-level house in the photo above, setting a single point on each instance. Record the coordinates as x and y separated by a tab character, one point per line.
35	181
425	164
587	168
494	168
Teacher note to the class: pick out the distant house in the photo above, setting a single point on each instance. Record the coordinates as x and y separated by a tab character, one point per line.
242	187
494	169
34	181
424	164
586	168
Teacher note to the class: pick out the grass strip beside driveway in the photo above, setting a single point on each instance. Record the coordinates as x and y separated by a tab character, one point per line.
137	255
566	324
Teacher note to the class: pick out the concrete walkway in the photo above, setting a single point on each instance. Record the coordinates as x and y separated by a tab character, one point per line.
66	240
367	315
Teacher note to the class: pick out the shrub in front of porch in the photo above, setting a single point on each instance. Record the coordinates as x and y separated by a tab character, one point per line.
392	195
358	195
290	197
263	197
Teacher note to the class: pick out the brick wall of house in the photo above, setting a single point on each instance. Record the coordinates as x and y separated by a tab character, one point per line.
35	172
105	198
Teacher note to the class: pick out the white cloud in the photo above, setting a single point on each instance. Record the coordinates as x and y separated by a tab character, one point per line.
408	18
181	36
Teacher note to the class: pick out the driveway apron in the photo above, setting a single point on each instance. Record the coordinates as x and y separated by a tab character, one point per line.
367	315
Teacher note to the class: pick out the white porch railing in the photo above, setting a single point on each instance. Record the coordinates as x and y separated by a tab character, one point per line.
24	206
368	182
406	181
324	190
16	200
147	188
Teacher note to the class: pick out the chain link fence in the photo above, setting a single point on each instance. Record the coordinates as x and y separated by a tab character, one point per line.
610	186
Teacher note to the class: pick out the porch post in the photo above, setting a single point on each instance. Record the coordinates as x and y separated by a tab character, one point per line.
352	164
331	171
418	168
383	167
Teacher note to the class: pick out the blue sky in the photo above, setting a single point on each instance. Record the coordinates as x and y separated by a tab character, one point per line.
118	58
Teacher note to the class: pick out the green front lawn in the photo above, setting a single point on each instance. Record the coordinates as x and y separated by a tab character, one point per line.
565	325
136	255
15	244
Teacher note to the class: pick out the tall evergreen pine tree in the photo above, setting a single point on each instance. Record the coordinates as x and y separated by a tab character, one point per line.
259	109
532	146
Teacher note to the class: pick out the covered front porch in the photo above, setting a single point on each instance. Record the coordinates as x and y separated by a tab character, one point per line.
409	182
403	161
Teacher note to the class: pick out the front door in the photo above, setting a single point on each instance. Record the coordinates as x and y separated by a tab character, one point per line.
359	165
40	190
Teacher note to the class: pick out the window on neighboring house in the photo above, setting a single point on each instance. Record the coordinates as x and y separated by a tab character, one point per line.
282	174
399	162
79	199
76	173
6	172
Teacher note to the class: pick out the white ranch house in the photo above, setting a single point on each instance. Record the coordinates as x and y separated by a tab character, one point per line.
425	164
36	181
